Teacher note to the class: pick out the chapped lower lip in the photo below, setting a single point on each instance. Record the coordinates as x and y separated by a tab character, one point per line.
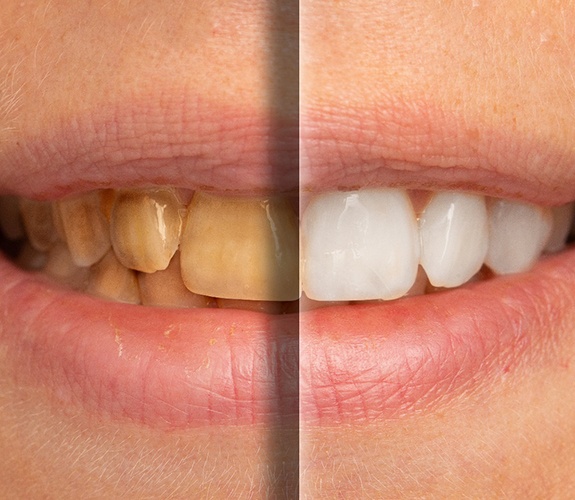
158	367
364	363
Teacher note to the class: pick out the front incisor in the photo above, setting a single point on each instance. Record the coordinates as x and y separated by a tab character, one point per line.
241	248
145	228
86	229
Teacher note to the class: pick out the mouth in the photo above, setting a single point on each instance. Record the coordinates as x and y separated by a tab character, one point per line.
170	366
135	316
445	332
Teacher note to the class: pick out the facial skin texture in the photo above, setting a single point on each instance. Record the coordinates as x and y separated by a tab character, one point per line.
64	59
446	79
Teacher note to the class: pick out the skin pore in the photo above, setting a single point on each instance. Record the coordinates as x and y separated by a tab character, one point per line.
473	96
454	78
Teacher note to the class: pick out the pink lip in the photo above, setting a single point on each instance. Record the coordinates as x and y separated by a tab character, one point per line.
159	367
416	145
369	362
166	139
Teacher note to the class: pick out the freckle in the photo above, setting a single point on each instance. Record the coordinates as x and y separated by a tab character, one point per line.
213	341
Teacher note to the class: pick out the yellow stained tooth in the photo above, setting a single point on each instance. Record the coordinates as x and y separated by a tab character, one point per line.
86	228
10	220
31	259
166	288
37	217
111	280
62	267
145	228
241	248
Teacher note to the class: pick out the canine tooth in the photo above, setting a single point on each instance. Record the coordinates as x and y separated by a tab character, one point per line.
145	228
241	248
61	266
86	229
562	220
359	245
518	233
111	280
166	288
37	217
10	220
454	232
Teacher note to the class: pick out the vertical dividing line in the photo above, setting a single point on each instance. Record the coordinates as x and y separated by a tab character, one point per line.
283	67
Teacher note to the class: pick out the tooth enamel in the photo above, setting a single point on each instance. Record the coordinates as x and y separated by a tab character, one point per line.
518	233
453	231
62	267
145	228
359	245
166	288
86	229
10	221
111	280
37	217
241	248
562	220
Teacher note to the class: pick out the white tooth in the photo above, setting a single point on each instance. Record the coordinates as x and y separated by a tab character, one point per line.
517	235
359	245
562	220
453	230
85	226
145	228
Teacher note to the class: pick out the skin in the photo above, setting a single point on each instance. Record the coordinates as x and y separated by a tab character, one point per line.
513	437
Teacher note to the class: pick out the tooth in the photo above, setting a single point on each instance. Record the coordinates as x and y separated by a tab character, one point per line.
10	220
241	248
454	232
359	245
518	233
31	259
111	280
562	220
145	228
62	267
86	229
37	217
166	288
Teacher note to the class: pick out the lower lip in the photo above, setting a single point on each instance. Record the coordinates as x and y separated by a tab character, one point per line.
160	368
368	362
189	368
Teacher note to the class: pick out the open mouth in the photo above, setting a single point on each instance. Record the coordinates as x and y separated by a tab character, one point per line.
409	295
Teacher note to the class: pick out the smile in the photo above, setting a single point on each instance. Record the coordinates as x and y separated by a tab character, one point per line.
215	258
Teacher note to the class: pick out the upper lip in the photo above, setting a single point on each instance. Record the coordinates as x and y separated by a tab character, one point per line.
415	145
171	139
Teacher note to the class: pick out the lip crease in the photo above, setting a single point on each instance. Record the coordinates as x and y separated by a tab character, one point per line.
166	368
